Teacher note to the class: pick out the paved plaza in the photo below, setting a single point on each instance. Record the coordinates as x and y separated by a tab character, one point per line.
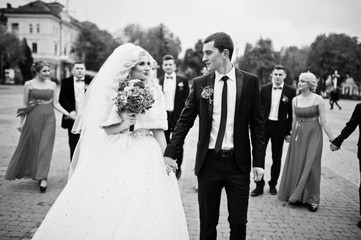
22	206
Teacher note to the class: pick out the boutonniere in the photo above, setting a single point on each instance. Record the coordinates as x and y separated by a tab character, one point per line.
207	93
180	85
284	99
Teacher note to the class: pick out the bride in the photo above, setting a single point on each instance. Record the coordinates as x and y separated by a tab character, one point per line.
119	185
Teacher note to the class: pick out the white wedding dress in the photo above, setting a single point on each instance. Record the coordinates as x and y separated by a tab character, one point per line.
119	188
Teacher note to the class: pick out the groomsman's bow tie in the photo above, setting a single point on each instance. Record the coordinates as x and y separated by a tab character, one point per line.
168	77
280	88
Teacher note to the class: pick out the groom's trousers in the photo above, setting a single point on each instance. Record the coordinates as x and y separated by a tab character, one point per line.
221	171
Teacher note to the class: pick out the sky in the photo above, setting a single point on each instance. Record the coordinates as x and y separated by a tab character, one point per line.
285	22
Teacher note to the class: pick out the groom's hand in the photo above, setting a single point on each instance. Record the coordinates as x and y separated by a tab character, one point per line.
170	164
258	173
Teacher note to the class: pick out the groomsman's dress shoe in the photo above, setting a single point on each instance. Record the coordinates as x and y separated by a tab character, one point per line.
178	173
272	190
359	224
257	192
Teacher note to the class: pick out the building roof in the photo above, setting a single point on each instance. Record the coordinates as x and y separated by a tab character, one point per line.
37	7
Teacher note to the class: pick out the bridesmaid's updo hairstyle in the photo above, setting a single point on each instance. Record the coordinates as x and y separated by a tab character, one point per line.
37	66
310	78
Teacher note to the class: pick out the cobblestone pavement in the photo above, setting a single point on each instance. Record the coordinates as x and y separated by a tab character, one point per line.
22	207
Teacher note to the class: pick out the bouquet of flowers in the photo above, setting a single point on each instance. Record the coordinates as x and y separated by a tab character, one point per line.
133	96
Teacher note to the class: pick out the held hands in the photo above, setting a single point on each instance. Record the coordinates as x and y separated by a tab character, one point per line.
333	147
288	138
72	115
170	164
258	173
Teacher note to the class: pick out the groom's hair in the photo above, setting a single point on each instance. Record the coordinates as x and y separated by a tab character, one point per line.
168	57
221	41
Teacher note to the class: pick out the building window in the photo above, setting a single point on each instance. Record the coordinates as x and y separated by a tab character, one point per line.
30	28
38	28
56	49
35	47
64	50
15	28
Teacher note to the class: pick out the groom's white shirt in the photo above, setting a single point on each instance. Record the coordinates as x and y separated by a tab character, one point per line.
217	108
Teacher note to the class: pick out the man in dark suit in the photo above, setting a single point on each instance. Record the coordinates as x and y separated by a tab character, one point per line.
351	125
228	104
71	94
176	91
276	99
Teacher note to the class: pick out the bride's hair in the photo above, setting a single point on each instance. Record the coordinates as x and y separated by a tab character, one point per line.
130	63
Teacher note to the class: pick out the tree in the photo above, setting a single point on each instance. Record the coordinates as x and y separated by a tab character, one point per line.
158	41
25	66
295	62
94	46
259	59
10	51
192	64
335	52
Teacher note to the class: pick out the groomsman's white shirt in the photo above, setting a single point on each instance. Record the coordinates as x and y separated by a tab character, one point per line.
169	87
217	108
79	91
275	103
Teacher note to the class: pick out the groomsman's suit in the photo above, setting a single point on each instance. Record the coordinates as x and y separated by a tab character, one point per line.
176	91
351	125
278	125
67	99
234	165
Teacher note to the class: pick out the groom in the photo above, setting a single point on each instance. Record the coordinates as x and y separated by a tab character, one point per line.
227	102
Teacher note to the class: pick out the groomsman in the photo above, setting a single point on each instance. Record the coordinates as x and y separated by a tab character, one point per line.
276	99
176	91
351	125
71	94
228	105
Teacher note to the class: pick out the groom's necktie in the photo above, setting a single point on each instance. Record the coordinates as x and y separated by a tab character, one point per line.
222	126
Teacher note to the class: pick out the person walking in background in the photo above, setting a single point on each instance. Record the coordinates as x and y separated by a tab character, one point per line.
351	125
228	104
301	175
176	91
276	99
33	154
334	97
71	94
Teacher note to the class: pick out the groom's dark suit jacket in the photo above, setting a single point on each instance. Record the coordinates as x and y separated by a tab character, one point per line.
285	107
248	119
67	98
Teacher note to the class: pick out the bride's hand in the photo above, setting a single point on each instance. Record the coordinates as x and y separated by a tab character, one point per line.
128	120
170	164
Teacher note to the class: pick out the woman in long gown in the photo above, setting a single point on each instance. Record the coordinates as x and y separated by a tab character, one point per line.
119	186
301	176
33	154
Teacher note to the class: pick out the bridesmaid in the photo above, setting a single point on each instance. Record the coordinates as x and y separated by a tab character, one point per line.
37	126
301	176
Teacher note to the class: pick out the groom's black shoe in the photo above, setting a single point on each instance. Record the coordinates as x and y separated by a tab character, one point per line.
359	224
272	190
258	191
